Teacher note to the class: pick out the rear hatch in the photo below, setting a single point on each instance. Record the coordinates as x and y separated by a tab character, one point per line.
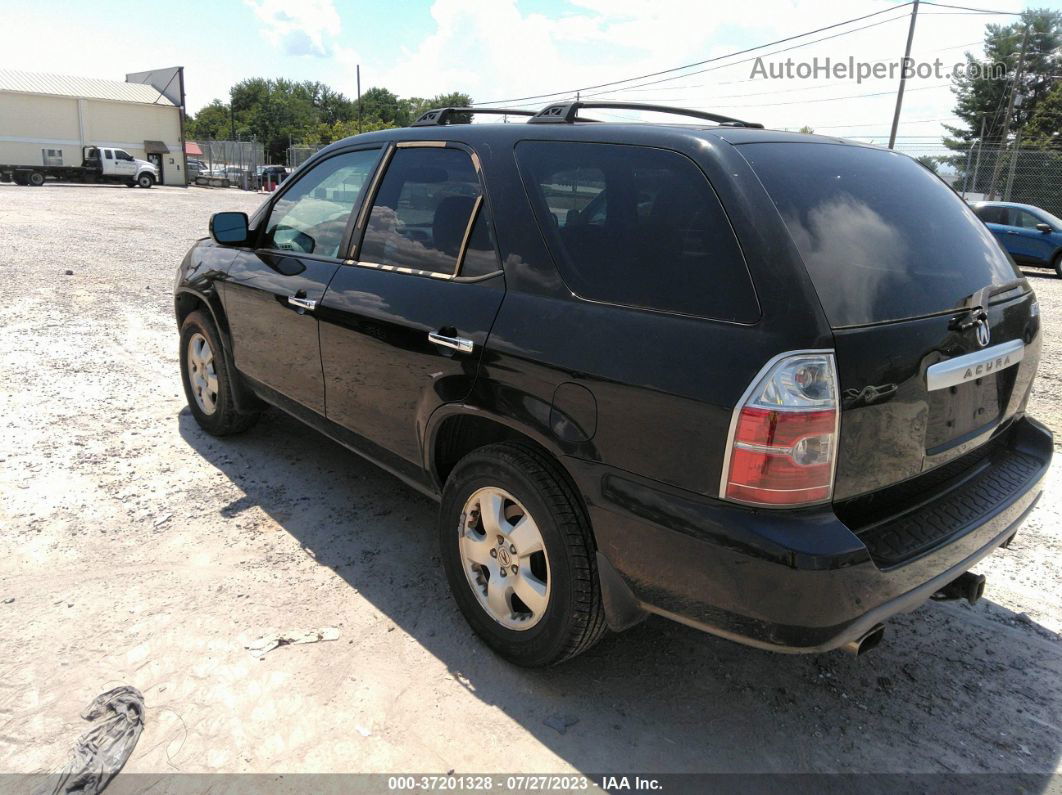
936	332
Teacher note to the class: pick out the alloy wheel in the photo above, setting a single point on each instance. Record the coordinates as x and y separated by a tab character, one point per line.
202	376
504	558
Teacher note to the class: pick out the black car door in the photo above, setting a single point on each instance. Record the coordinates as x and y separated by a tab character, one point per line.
272	289
403	326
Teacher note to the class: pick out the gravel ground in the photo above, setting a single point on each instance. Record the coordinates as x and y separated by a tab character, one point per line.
137	550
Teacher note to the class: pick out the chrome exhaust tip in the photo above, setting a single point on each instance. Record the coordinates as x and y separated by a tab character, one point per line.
866	642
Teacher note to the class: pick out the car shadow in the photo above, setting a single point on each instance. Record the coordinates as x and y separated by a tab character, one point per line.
1038	273
953	688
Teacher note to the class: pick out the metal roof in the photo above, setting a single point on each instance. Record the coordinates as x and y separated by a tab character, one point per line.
83	87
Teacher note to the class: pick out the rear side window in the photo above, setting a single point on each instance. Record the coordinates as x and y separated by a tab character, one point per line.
881	236
422	210
639	227
992	215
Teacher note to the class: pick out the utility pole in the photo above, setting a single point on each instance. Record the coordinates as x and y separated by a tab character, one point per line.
359	99
1015	154
980	146
903	76
1010	109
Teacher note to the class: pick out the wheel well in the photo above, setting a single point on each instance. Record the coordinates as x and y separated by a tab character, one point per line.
185	304
460	434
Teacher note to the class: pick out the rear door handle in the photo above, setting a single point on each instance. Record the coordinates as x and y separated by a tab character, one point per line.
301	303
459	344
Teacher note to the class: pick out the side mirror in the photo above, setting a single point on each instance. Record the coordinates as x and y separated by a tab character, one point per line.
1045	228
229	229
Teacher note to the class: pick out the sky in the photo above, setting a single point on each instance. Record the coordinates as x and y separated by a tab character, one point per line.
502	49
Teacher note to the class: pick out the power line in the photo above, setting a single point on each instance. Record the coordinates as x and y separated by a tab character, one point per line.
875	124
970	8
722	66
697	63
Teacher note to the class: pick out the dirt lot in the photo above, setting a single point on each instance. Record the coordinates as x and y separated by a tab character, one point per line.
137	550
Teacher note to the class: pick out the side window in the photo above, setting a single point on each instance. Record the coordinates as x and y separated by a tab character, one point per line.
422	210
992	215
637	226
481	255
577	197
109	154
1026	220
52	157
121	154
311	217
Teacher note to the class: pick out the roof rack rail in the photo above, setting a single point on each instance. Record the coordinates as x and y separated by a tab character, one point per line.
438	116
568	112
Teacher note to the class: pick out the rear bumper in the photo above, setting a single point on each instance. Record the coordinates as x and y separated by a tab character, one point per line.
797	581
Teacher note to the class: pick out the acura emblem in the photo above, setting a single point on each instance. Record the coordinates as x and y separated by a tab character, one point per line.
984	333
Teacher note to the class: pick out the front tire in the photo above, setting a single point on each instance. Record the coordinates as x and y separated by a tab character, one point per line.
207	380
145	181
1057	264
519	555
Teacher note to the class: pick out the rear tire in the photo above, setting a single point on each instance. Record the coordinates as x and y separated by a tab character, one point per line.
523	484
145	181
36	179
1057	264
207	380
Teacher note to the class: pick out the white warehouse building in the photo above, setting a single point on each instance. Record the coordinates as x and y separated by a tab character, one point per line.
46	119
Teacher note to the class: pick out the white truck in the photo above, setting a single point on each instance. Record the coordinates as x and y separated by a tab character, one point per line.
98	164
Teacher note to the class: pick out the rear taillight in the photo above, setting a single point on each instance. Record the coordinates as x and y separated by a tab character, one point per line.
784	434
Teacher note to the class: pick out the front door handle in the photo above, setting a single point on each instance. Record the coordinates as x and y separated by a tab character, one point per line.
301	303
459	344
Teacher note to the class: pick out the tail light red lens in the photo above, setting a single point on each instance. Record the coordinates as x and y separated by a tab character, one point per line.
784	434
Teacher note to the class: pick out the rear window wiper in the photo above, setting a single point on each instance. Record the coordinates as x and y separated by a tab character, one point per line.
975	306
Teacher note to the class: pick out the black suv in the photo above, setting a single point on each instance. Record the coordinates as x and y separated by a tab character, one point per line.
769	385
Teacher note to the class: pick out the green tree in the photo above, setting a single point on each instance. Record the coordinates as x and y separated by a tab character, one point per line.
379	103
1044	130
983	95
211	122
930	162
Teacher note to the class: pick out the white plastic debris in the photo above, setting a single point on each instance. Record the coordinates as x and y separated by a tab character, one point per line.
266	644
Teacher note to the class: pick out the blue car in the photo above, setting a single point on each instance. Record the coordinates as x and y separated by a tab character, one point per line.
1031	235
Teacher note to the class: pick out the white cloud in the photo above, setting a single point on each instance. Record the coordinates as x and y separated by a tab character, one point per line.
308	27
493	50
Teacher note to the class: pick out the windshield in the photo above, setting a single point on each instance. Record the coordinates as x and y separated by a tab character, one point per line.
882	237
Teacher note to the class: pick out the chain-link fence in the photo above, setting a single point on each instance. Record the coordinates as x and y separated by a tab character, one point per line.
297	155
227	164
1014	174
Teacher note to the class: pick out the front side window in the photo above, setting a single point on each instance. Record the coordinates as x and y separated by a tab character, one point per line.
122	155
311	217
1026	220
639	227
422	210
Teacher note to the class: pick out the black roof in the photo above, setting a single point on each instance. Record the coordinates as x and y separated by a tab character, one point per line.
645	133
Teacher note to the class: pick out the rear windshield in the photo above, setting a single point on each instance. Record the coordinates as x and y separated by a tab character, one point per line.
882	237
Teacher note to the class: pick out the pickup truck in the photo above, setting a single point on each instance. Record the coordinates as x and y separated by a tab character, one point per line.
98	164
